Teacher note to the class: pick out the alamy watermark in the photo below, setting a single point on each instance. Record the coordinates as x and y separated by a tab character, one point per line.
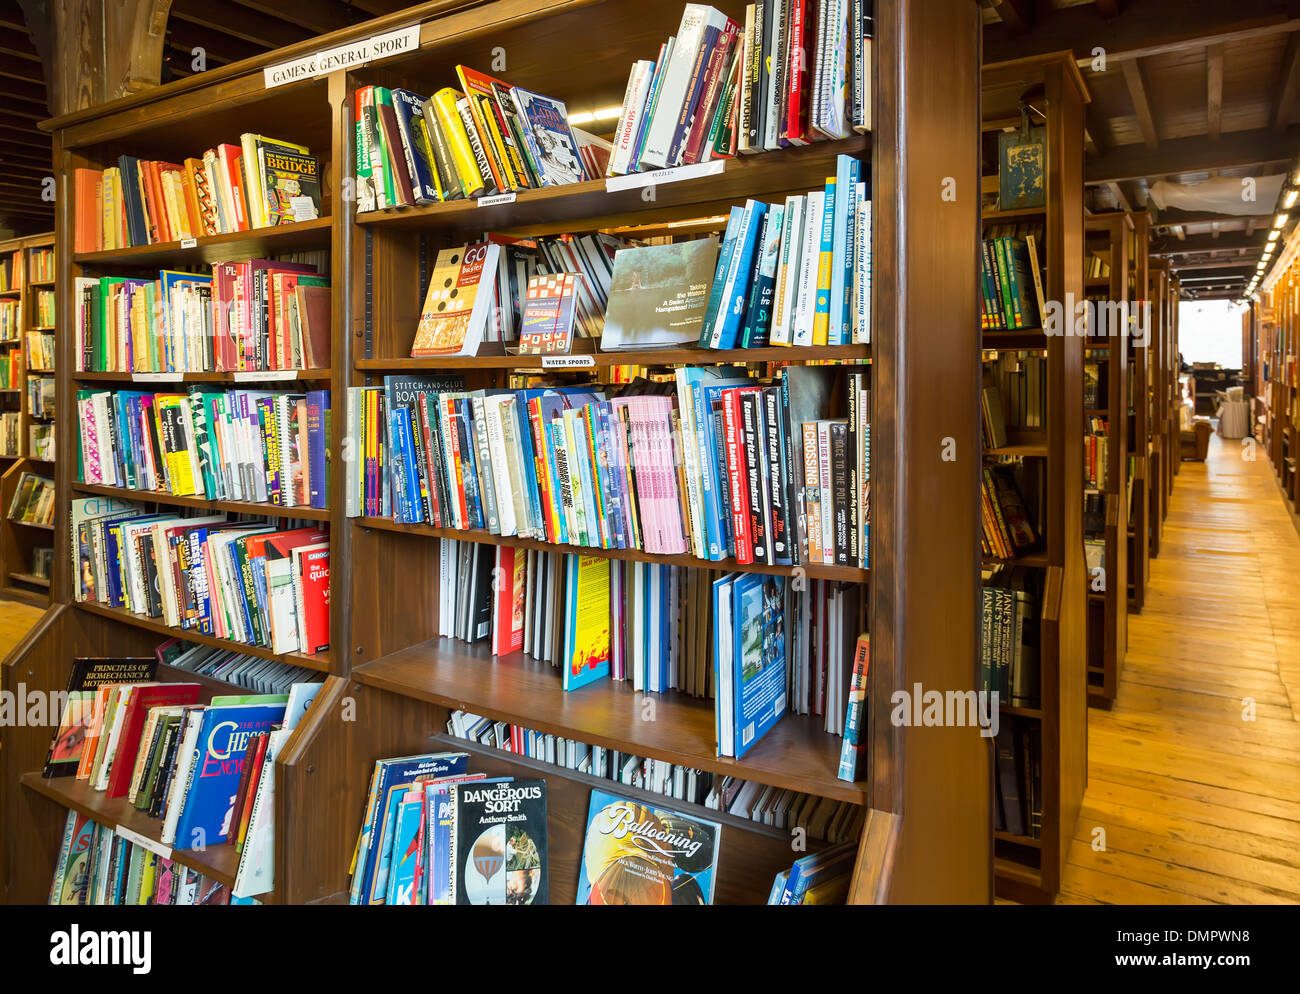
923	708
1098	319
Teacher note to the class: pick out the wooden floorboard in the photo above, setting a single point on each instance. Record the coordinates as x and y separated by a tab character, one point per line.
16	620
1197	803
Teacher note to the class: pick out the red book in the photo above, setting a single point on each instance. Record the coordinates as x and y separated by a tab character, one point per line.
802	38
454	436
139	702
90	210
508	606
243	812
737	477
314	586
719	64
225	279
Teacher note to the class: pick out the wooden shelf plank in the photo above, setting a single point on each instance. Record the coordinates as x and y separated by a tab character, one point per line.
495	358
1020	449
31	524
796	754
32	578
237	506
789	170
815	571
1028	559
217	862
218	248
163	380
1020	840
319	662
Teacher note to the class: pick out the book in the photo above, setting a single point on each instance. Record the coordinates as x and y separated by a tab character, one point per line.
548	314
87	676
549	141
639	854
659	294
455	310
499	842
587	634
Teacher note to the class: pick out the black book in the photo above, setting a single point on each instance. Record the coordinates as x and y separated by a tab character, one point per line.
750	442
498	842
855	471
805	396
448	178
148	558
1008	776
840	490
724	482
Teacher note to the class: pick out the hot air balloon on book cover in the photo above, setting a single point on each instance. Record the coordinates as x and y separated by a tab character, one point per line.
499	842
637	854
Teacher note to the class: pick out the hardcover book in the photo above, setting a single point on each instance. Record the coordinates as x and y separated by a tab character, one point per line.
587	635
456	308
548	312
637	854
659	294
548	137
498	853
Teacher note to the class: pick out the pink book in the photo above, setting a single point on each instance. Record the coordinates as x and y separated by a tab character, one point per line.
662	426
89	450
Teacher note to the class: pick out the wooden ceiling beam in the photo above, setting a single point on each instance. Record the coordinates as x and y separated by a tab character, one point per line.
1017	15
23	92
239	21
17	45
185	37
1172	215
1191	267
1135	80
1151	27
317	16
1198	154
1286	95
1206	243
1214	90
1120	198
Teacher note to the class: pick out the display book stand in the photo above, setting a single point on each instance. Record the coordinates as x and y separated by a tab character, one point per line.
18	539
1029	869
1139	413
390	682
1278	354
1106	509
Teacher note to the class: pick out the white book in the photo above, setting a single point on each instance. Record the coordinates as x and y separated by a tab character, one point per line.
636	582
107	461
114	733
664	128
806	300
774	12
824	483
691	456
256	873
787	273
282	604
629	122
498	468
724	642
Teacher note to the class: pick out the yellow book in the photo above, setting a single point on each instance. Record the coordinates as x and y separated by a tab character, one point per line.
119	218
833	891
141	339
462	153
178	218
825	262
147	873
499	147
108	235
255	174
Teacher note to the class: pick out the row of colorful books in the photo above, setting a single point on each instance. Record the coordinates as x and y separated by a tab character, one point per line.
759	474
763	804
225	444
260	314
40	265
11	433
797	273
1018	381
1008	530
96	866
11	319
200	766
11	369
435	833
796	71
258	183
1096	456
40	349
1011	280
1019	777
820	878
246	581
45	308
40	440
33	500
41	392
754	643
485	139
11	271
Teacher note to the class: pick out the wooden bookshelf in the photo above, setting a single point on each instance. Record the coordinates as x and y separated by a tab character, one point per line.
1139	414
390	681
1029	870
1106	602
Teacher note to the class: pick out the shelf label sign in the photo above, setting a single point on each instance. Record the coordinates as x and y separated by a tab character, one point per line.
675	174
188	243
254	375
568	361
501	198
348	56
144	842
157	377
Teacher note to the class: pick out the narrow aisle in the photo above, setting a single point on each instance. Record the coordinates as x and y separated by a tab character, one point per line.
1198	804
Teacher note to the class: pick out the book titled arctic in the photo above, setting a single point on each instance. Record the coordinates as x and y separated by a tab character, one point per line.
498	853
455	314
659	294
638	854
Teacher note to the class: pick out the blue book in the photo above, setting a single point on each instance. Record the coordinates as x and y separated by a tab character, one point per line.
415	148
712	451
758	663
736	291
587	634
722	648
758	312
414	503
318	406
808	871
392	777
734	222
219	754
847	170
401	871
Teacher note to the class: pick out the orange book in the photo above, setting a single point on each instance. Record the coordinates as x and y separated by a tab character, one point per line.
192	197
87	190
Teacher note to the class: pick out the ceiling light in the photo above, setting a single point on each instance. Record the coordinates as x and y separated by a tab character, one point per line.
1289	202
1280	220
1272	235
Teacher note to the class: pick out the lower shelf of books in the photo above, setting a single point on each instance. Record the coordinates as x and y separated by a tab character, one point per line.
319	661
796	754
216	862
